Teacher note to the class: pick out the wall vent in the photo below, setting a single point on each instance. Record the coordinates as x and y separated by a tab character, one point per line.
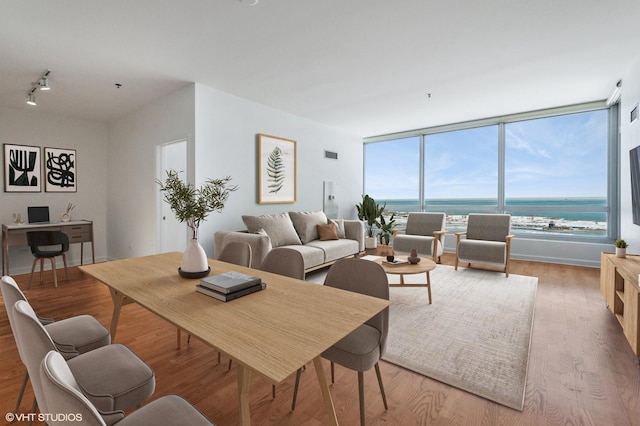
331	155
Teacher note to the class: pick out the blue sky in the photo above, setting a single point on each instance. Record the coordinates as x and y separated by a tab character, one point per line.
561	156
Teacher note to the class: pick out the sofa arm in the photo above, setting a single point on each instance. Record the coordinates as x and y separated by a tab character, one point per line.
260	244
354	230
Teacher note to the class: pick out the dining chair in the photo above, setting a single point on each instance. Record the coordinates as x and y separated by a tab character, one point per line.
72	336
112	377
48	245
233	252
361	349
64	395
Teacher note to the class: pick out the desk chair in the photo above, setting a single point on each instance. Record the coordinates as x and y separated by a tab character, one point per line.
48	245
64	395
112	376
362	348
72	336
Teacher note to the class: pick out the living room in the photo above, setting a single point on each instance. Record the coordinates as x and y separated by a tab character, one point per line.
117	153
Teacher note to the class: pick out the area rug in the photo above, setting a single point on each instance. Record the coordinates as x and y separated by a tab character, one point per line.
475	336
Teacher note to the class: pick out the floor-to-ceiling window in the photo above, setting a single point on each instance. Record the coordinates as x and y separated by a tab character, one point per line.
553	171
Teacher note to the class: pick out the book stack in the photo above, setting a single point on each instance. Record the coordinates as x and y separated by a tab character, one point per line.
230	285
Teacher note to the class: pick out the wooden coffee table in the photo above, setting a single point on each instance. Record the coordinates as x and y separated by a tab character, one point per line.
424	266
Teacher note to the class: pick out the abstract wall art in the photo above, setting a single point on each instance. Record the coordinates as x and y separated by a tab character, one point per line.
22	168
60	170
276	170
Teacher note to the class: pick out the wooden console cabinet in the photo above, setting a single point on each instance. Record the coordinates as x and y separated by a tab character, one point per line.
619	285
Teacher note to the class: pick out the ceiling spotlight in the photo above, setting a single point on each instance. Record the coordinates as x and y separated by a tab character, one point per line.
31	98
44	81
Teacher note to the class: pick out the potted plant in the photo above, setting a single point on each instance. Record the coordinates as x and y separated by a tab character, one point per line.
370	211
386	229
621	248
192	206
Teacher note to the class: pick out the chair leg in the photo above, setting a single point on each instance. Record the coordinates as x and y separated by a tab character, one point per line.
333	377
230	362
273	391
64	261
53	269
384	397
34	405
295	389
41	271
22	388
218	357
33	268
361	395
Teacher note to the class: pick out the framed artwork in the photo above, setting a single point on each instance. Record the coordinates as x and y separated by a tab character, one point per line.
276	170
60	170
22	169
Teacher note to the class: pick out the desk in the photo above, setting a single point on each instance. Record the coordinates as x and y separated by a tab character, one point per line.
78	231
271	333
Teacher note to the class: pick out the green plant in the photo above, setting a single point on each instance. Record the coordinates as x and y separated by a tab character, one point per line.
370	211
193	205
386	229
621	243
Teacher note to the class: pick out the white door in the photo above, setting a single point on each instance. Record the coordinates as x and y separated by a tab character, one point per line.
173	234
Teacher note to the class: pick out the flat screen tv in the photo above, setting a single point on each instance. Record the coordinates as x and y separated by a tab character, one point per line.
634	163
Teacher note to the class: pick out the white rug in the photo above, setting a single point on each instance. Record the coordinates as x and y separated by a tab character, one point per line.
475	336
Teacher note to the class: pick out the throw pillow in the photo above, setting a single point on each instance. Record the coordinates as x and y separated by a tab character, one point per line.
339	226
277	226
327	232
305	224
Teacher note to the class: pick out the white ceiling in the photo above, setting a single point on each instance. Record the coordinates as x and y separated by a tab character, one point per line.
365	66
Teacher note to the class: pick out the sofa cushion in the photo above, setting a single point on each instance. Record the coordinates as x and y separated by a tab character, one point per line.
327	232
305	224
340	226
313	256
336	249
278	226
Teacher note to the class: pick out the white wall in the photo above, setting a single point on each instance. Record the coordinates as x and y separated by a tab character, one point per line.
630	138
133	196
89	139
226	144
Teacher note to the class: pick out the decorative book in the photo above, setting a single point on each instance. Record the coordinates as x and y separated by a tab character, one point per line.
395	262
229	282
225	297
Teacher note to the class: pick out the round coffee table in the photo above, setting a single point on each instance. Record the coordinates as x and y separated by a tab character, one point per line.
405	268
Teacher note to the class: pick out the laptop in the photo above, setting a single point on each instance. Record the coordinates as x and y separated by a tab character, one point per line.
38	214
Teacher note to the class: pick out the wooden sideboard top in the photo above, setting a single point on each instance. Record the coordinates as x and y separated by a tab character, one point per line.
628	267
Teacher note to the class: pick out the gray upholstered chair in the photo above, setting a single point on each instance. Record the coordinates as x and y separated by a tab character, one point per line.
236	253
424	232
64	395
48	245
487	240
72	336
361	349
112	376
287	262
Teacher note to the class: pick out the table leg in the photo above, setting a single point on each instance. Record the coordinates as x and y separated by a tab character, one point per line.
244	380
402	279
118	299
429	286
326	395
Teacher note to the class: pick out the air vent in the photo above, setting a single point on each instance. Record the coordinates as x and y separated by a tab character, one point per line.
331	155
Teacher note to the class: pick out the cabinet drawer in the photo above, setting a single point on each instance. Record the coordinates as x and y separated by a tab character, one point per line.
78	233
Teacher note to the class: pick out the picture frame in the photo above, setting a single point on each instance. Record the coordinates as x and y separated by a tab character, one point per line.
277	170
60	173
22	168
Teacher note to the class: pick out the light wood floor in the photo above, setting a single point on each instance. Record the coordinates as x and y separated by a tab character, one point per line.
581	370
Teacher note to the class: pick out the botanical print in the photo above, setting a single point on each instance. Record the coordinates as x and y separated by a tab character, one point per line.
276	170
21	168
60	170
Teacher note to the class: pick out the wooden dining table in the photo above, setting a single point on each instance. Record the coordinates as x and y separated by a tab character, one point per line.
271	333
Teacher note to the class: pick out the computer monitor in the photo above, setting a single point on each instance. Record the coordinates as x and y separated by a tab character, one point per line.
38	214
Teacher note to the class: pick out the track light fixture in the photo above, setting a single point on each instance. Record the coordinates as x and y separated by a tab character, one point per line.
42	84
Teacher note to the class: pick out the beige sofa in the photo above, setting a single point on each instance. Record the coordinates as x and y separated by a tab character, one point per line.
298	231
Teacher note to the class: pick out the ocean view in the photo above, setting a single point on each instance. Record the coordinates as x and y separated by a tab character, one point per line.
529	215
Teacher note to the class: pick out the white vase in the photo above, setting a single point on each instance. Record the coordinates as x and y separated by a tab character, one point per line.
194	258
621	252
